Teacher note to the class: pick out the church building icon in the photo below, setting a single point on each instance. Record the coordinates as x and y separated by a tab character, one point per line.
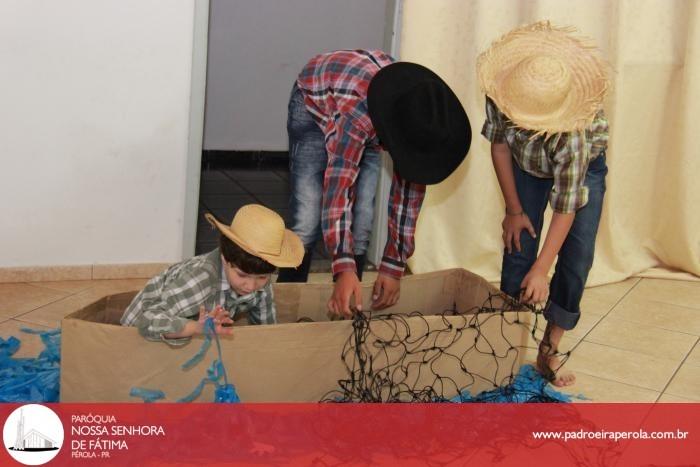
33	440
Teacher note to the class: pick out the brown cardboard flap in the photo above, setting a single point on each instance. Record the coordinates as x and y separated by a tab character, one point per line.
285	362
107	310
429	293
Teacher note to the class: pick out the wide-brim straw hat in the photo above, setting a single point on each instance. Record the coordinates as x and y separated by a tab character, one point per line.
543	78
260	231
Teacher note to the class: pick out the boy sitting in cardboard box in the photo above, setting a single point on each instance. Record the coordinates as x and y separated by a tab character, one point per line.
230	280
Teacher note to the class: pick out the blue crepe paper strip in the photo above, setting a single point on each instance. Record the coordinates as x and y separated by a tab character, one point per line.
224	393
30	379
148	395
527	386
199	356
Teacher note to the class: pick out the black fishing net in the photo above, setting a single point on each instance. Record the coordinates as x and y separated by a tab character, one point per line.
471	355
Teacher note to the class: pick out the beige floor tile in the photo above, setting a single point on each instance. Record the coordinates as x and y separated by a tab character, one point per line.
659	314
585	324
600	300
642	338
595	389
52	314
681	293
665	397
31	345
694	356
623	366
16	299
67	286
686	383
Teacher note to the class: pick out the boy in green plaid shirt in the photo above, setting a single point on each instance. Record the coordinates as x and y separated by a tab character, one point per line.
230	281
548	136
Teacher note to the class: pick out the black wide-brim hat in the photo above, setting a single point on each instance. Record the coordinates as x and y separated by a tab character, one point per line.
420	121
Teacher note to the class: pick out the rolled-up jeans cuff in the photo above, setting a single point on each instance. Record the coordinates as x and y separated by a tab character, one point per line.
563	318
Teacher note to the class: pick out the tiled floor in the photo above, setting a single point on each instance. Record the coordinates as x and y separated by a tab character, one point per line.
224	190
637	339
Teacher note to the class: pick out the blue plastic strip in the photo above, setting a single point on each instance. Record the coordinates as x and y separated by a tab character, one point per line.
30	379
527	386
199	356
224	393
148	395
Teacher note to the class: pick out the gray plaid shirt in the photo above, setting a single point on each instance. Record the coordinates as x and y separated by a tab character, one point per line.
172	298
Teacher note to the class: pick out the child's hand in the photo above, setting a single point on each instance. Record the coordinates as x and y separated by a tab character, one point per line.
220	317
346	286
386	292
512	225
536	287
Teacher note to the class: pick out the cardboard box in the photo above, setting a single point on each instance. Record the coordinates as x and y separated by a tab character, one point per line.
293	361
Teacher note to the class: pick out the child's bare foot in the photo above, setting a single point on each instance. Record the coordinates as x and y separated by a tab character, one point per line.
550	366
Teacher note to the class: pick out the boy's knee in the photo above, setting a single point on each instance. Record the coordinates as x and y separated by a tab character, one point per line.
524	258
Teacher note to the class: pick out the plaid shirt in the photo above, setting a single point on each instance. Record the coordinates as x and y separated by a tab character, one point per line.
171	299
563	156
335	92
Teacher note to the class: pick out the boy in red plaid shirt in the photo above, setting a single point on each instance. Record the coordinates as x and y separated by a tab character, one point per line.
346	106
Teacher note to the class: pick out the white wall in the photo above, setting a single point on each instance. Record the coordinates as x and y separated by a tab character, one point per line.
94	119
256	50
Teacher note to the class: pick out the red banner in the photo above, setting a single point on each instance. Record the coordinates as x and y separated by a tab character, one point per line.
355	434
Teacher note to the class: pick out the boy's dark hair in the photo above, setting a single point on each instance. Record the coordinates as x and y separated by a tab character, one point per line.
238	257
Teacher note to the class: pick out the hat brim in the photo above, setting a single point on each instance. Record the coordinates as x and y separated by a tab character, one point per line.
425	166
589	83
291	252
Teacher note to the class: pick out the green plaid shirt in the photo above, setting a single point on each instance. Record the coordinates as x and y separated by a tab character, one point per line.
563	156
171	299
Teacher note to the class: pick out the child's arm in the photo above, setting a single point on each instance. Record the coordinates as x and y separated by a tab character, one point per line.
167	319
515	219
193	328
568	195
535	282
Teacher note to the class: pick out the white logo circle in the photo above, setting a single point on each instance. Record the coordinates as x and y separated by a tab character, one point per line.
33	434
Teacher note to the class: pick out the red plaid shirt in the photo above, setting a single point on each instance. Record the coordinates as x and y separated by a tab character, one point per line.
335	92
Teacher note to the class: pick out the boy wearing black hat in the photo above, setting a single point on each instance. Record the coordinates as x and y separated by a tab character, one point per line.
343	106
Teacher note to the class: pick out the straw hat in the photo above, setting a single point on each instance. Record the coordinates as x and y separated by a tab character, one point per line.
260	231
544	79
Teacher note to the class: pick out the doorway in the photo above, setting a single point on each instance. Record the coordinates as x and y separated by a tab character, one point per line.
254	51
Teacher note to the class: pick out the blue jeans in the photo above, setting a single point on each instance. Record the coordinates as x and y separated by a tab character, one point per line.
307	164
576	255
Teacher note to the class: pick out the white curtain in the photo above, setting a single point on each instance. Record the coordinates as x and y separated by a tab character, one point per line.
651	215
